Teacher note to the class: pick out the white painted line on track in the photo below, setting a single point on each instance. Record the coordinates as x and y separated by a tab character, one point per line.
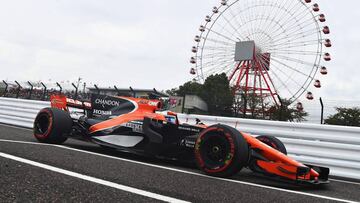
188	172
345	181
94	180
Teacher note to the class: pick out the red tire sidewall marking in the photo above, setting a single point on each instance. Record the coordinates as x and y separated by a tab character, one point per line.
197	146
200	160
50	117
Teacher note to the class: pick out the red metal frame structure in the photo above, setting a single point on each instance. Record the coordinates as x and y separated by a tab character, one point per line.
262	85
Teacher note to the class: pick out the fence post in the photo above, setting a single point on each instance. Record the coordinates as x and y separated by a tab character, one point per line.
31	90
6	88
117	90
132	90
18	89
322	111
76	90
281	108
60	88
97	89
44	91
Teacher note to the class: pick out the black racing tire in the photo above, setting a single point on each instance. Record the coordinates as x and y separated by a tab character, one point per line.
51	126
274	143
221	151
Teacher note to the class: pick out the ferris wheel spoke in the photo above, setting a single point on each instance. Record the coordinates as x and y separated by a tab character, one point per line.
284	65
230	68
300	35
293	60
297	16
293	52
262	23
298	28
219	41
221	35
306	23
279	15
237	16
289	67
276	76
215	70
216	54
297	35
233	36
285	45
247	18
284	84
239	36
217	48
210	66
299	25
219	62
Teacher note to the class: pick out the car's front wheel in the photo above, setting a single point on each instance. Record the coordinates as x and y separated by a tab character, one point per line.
221	151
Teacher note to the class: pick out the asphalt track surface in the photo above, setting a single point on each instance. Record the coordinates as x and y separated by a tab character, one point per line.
82	172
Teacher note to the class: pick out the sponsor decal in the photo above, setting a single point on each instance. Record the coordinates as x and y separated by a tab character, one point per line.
102	112
87	104
57	101
189	129
189	143
153	103
147	102
107	102
135	126
70	101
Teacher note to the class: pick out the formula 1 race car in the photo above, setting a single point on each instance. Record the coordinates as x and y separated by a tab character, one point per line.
138	126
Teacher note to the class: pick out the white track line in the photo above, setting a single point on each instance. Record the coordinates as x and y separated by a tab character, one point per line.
94	180
188	172
345	181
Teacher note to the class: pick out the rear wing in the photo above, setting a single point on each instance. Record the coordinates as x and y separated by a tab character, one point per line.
62	102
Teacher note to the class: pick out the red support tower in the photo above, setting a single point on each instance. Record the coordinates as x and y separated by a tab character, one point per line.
252	77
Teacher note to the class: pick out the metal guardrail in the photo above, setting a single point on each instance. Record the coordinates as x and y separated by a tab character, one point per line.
336	147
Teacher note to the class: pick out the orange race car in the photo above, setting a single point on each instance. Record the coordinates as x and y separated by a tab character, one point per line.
141	126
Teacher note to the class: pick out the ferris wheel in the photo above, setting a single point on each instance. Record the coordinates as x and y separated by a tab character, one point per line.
272	49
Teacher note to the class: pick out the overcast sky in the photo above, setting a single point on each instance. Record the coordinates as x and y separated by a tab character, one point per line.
140	43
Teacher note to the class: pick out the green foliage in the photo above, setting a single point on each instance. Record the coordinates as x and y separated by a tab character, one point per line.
217	93
191	87
345	117
287	113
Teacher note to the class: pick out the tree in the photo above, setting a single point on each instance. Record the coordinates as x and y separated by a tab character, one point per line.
345	117
190	87
217	93
287	113
254	105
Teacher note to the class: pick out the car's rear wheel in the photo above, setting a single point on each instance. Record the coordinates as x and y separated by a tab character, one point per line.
272	142
52	125
221	151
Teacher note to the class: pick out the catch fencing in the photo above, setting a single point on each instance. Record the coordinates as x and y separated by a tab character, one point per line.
336	147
